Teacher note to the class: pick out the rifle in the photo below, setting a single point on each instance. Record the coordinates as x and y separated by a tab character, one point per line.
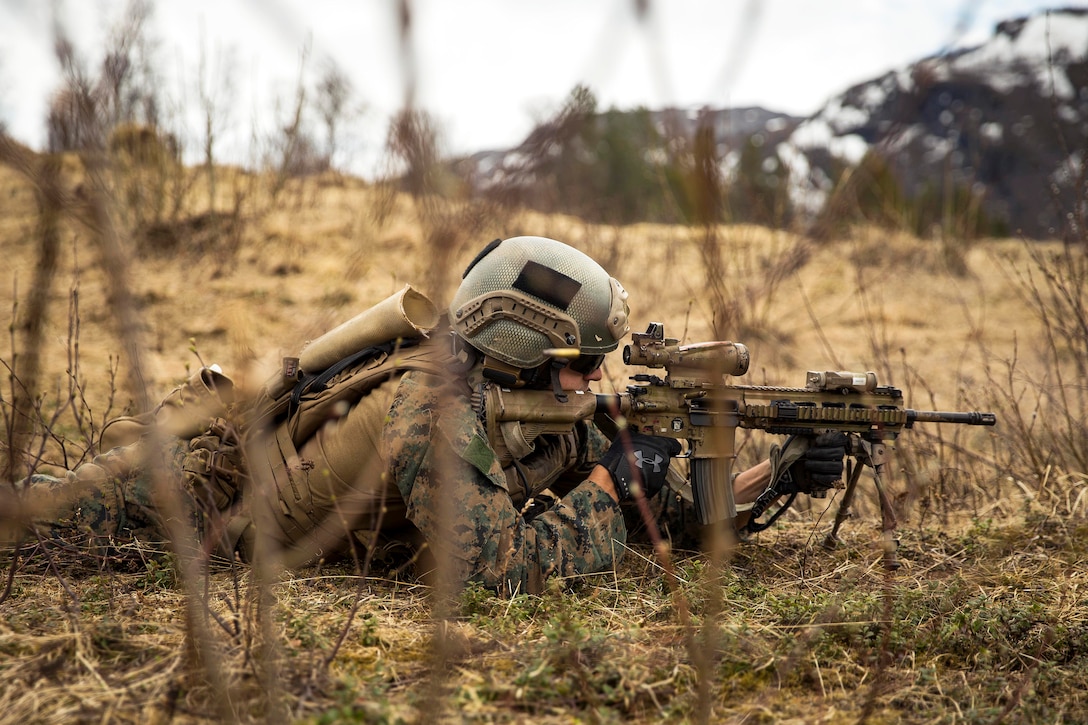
695	402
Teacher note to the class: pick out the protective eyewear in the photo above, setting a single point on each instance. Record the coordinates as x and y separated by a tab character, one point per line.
586	364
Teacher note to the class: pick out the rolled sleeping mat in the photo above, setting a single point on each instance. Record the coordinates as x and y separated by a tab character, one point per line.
408	313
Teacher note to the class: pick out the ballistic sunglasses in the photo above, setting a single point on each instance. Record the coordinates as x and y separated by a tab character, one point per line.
586	364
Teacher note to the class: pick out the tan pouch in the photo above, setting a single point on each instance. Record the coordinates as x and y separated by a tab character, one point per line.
214	466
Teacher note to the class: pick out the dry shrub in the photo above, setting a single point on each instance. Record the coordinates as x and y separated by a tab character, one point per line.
1040	387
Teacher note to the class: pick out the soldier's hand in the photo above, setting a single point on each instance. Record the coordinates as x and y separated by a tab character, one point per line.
821	466
636	460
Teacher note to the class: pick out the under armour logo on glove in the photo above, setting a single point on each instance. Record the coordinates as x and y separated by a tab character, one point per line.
637	460
641	460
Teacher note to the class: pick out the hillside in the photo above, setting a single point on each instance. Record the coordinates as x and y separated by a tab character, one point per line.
984	622
314	260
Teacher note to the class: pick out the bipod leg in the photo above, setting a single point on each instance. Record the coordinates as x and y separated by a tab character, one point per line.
888	524
832	538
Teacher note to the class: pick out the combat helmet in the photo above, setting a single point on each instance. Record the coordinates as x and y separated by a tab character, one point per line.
523	300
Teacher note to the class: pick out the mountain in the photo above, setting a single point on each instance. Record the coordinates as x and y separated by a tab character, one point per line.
1006	122
629	166
999	131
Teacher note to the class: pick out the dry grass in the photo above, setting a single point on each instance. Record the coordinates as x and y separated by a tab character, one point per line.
984	623
979	622
311	262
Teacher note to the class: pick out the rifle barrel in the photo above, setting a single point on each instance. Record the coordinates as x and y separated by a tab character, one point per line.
972	417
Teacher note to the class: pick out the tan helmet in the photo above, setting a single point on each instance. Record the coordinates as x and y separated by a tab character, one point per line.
526	295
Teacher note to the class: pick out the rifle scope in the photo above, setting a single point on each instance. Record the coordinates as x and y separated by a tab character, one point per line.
727	358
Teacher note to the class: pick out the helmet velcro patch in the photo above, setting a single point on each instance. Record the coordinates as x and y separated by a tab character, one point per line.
550	285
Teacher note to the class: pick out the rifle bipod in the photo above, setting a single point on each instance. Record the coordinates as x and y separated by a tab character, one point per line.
873	455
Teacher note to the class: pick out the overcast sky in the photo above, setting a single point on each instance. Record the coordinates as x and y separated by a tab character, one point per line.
487	69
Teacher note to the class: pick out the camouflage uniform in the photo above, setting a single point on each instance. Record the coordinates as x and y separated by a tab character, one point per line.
108	500
459	496
412	457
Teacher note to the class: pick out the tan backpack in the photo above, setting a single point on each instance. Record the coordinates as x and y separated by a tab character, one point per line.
233	442
390	338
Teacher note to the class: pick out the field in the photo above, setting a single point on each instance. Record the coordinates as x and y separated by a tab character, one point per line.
985	622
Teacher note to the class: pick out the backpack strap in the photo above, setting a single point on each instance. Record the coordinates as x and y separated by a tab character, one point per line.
314	384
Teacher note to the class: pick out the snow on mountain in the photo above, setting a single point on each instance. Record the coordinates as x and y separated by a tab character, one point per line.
1007	119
